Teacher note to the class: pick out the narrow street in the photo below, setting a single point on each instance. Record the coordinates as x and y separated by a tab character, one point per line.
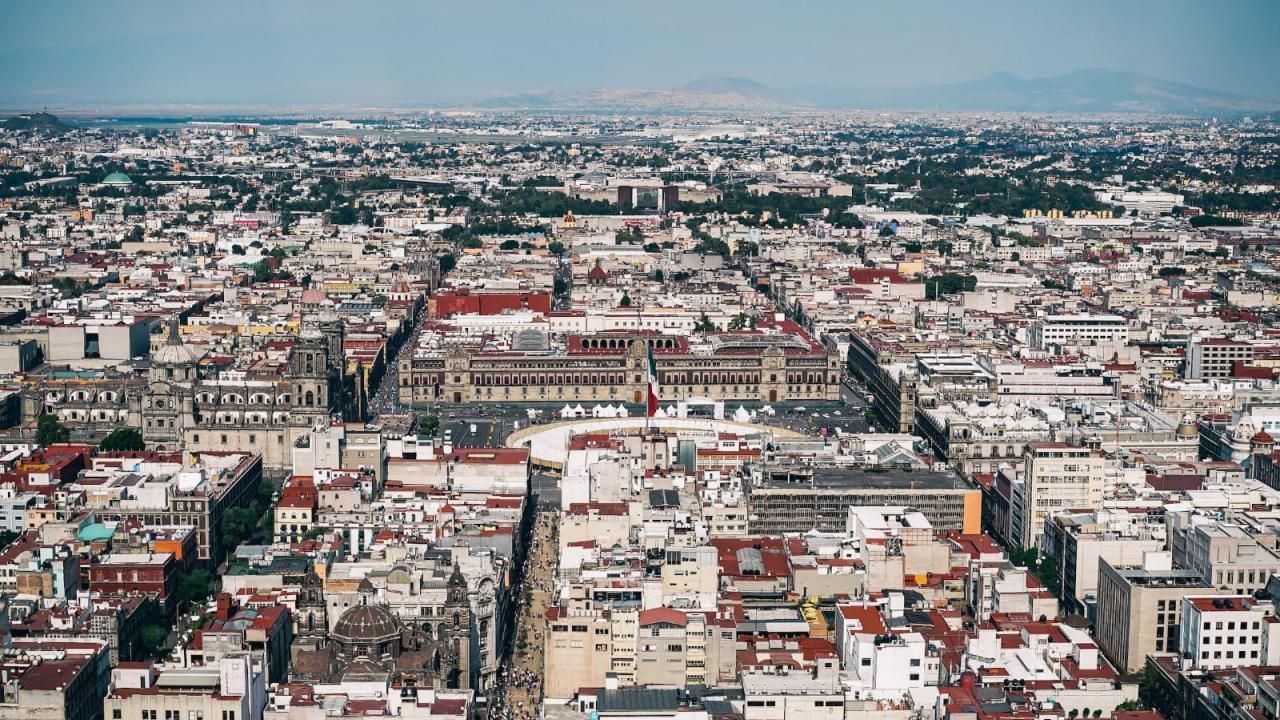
386	398
519	692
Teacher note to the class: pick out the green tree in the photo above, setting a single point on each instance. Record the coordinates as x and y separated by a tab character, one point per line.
123	440
560	286
625	301
555	247
844	248
447	263
50	430
472	243
1172	271
739	321
195	586
949	283
428	425
238	525
509	245
704	324
151	638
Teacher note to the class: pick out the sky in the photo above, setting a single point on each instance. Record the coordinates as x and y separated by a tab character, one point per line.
100	54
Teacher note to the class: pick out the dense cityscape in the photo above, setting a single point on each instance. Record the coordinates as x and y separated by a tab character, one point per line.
738	416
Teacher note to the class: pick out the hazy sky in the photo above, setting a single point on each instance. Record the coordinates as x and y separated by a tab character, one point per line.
98	53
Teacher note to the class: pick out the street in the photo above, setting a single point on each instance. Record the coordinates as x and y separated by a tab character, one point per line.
386	398
518	695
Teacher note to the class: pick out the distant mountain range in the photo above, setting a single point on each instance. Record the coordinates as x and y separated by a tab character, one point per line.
1084	91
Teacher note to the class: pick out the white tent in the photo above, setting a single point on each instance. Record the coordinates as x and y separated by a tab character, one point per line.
566	412
660	413
579	411
741	415
622	411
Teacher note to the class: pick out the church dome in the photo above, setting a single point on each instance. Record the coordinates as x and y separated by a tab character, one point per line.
118	179
174	351
366	623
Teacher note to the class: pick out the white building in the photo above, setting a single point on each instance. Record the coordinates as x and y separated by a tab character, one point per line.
1233	631
1079	330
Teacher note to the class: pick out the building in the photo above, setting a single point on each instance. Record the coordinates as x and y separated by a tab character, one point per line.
1226	631
1139	608
1055	477
1216	358
54	680
1078	540
783	365
232	689
783	497
1059	330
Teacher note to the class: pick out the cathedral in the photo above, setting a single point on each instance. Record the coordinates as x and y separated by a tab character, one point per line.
191	401
370	643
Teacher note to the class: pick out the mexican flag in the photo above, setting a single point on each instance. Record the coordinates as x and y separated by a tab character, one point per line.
651	404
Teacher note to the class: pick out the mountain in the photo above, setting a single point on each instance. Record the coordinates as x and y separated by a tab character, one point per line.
742	87
705	94
1084	91
40	122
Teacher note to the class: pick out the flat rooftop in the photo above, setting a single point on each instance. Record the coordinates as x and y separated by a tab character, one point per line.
859	478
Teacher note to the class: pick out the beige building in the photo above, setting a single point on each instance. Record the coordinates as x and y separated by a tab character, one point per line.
234	689
1054	477
785	366
578	650
1140	608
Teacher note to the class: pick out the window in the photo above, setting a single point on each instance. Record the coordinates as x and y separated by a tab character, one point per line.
866	662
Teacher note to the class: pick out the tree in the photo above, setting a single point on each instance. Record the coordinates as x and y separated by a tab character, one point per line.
428	425
739	321
886	231
509	245
844	248
123	440
659	276
704	324
560	286
1172	271
195	586
949	283
151	638
447	263
238	525
472	243
50	430
625	301
1200	221
555	247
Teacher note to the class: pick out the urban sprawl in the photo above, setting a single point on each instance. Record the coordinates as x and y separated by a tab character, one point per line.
500	416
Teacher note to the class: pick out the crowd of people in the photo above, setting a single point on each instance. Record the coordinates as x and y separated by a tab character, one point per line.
518	694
